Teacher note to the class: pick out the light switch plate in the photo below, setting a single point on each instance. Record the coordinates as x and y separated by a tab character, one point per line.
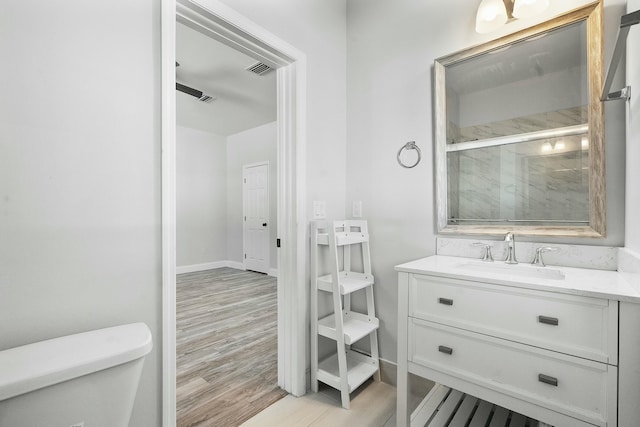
319	209
356	211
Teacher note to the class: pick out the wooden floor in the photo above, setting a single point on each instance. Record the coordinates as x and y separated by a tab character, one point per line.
372	405
226	347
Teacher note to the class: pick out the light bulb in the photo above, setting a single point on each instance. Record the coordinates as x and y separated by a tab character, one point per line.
491	15
529	8
559	145
546	147
584	143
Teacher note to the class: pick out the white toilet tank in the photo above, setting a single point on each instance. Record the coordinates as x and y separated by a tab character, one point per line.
82	380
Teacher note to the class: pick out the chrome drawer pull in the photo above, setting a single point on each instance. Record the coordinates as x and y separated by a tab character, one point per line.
548	320
445	301
548	380
445	350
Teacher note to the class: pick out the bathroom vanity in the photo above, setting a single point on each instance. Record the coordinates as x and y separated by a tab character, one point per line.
557	344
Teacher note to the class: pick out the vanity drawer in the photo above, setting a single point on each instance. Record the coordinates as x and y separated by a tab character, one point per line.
580	326
573	386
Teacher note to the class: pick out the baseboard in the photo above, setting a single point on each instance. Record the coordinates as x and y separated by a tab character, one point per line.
210	266
200	267
389	374
273	272
235	264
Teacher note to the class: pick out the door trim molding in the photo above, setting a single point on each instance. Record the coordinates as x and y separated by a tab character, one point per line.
226	25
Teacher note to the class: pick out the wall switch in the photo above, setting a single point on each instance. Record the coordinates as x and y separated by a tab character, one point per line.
319	209
356	211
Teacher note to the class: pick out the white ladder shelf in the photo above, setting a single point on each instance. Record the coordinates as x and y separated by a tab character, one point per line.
347	369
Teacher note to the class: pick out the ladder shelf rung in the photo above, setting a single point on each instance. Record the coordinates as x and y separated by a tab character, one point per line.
355	326
359	369
344	239
349	282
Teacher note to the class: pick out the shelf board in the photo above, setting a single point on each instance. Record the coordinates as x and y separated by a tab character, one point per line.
343	239
349	282
359	369
444	406
355	326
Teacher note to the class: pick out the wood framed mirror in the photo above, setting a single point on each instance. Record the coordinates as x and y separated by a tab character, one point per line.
520	132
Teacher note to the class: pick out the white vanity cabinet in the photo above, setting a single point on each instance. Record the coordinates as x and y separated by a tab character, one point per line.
551	350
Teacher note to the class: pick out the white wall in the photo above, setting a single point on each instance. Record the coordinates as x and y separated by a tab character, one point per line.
251	146
209	192
550	92
318	28
80	237
201	197
391	47
632	225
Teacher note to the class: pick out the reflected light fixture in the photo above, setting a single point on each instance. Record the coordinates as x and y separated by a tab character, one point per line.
584	143
493	14
548	147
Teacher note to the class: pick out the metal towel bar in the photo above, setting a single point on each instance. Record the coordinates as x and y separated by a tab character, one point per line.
626	21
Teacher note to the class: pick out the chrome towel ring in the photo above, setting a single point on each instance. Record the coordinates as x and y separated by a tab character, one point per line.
411	145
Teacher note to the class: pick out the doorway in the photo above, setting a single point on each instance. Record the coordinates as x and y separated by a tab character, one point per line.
226	316
224	24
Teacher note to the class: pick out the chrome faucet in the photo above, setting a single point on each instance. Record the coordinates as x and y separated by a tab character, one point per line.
511	248
537	259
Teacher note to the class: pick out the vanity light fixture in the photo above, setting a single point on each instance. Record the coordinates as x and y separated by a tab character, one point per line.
553	146
493	14
528	8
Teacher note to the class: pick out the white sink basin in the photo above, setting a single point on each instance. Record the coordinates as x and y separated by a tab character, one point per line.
523	270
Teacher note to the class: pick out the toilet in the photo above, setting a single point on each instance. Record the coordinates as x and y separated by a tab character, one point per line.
88	379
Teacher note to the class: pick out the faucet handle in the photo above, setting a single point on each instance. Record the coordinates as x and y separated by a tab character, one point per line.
486	256
537	259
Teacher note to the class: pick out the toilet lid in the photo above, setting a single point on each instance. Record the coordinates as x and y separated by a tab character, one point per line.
34	366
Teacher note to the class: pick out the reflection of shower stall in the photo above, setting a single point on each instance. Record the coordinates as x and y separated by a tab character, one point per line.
524	179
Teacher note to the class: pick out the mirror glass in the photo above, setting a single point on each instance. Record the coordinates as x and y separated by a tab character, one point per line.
517	132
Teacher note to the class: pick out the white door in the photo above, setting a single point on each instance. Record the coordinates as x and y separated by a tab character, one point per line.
255	189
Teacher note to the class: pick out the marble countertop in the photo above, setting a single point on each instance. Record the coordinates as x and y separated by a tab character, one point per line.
576	281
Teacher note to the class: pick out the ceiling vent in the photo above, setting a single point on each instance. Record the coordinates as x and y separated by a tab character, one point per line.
195	93
207	98
259	68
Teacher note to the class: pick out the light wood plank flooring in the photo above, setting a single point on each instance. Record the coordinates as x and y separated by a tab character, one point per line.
372	405
226	347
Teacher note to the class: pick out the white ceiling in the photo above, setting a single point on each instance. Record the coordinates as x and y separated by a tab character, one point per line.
243	99
558	50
